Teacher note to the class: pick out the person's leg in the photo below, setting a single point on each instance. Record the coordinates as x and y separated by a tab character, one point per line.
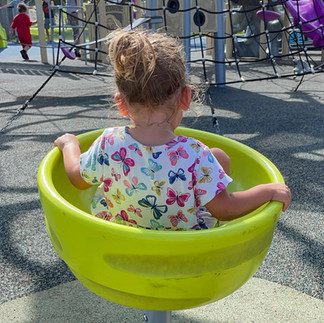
223	159
27	48
47	34
24	51
73	21
46	27
24	46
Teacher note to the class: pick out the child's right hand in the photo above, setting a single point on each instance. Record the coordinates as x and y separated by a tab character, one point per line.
67	139
281	193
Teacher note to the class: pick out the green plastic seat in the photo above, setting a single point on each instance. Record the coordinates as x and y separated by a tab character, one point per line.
158	270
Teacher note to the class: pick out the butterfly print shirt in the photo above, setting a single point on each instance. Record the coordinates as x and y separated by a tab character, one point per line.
159	187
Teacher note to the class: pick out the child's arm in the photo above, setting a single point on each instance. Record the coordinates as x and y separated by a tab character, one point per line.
70	147
11	31
225	206
5	6
34	22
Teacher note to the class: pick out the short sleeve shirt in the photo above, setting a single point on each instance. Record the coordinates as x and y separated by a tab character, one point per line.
22	22
157	187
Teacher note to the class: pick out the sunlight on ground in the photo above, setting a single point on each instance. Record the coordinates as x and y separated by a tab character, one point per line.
241	136
315	155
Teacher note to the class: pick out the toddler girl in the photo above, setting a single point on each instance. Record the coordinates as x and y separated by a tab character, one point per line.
148	177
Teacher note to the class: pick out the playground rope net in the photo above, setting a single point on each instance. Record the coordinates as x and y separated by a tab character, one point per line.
255	38
251	40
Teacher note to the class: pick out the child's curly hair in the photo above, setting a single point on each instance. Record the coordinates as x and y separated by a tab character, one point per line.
149	67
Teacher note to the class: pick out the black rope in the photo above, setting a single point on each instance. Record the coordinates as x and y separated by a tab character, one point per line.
20	110
301	48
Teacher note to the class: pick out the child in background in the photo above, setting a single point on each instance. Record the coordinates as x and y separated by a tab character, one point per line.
148	177
22	22
47	13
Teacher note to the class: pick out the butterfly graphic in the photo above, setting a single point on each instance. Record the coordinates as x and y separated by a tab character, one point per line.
201	223
157	154
193	182
134	210
175	219
136	149
104	215
198	192
192	210
221	174
152	169
158	187
149	149
220	187
118	197
103	143
122	216
121	135
115	175
103	202
109	203
193	166
107	183
175	197
175	155
175	141
210	157
134	187
174	176
120	156
103	158
206	171
197	146
95	202
92	162
155	225
150	203
109	139
84	174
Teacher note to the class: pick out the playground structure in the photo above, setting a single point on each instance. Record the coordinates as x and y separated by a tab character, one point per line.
159	271
269	36
3	38
214	34
225	34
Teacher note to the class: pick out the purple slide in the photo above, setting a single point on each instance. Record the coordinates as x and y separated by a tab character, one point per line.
311	13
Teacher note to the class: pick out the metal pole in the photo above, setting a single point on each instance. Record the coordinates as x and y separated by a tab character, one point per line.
187	31
41	33
220	46
157	316
152	12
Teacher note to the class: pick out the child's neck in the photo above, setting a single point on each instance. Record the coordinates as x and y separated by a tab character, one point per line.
153	135
149	130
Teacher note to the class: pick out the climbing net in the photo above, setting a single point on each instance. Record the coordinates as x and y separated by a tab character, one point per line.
279	39
225	42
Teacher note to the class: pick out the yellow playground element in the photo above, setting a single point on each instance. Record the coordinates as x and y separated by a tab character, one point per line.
158	270
3	38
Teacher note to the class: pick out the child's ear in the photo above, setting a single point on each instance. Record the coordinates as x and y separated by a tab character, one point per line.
121	104
185	98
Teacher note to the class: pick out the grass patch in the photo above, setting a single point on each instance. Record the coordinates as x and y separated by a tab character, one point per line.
67	34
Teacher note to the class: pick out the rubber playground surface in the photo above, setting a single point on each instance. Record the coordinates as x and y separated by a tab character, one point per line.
269	116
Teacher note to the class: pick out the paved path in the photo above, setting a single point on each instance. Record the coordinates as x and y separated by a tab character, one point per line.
285	126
